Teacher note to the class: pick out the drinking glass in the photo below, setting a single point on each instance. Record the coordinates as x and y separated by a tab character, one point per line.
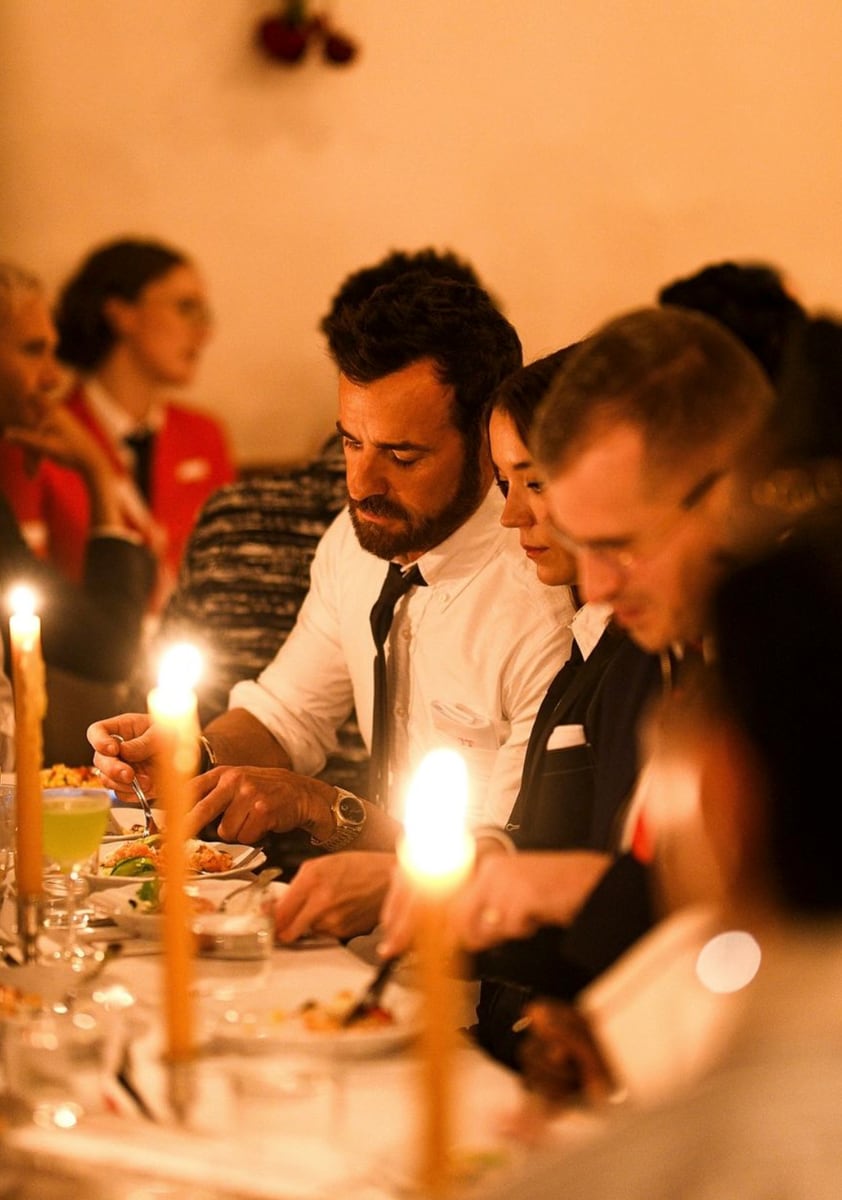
57	1062
75	821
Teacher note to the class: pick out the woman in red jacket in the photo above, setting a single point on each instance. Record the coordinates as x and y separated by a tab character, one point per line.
133	321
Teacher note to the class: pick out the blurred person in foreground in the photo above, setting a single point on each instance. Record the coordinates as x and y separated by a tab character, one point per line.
757	741
92	628
133	320
477	636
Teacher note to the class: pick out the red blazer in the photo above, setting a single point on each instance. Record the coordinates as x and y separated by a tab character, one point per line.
190	459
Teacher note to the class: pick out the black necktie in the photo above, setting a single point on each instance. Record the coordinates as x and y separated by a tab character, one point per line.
395	585
140	444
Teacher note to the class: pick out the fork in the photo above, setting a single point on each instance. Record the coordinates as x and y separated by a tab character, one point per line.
151	823
370	998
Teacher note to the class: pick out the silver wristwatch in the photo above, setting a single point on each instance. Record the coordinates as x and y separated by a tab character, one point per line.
349	813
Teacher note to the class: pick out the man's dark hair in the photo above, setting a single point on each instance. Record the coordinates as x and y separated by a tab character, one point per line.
808	418
359	285
117	270
750	299
418	316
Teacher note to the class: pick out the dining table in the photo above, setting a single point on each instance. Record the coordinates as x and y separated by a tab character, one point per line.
270	1115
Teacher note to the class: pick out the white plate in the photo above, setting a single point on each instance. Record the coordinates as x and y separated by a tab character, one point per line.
125	818
264	1023
117	903
234	849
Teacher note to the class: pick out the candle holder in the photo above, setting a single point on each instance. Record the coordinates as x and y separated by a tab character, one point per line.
181	1087
30	914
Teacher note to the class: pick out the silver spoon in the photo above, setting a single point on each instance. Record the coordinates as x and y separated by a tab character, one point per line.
143	799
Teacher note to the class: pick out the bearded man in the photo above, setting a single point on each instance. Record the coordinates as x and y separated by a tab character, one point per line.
473	644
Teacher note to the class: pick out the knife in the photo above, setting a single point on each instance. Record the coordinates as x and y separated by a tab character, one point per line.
370	998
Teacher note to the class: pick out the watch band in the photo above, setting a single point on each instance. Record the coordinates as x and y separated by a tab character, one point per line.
346	831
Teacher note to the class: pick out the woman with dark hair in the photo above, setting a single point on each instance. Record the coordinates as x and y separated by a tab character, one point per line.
132	321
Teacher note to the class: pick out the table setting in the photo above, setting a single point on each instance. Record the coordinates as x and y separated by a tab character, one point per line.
155	1041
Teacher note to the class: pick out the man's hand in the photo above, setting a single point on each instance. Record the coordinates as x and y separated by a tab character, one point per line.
61	436
338	894
119	764
511	896
399	915
254	801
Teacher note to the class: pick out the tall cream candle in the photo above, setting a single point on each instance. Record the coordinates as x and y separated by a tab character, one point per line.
30	707
172	706
437	853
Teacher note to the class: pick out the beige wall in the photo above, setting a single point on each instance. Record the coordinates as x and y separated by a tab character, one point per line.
579	154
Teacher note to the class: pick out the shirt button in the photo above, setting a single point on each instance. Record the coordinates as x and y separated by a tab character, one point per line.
400	711
406	634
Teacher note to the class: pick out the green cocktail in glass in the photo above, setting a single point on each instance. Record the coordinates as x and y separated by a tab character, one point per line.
74	826
75	820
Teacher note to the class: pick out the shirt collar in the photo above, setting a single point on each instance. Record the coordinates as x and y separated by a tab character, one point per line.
588	625
115	420
457	559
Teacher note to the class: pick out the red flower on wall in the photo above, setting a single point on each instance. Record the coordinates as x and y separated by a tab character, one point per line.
286	36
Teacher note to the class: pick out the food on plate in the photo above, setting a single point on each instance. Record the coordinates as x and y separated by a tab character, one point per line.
14	1000
151	897
320	1016
59	775
146	856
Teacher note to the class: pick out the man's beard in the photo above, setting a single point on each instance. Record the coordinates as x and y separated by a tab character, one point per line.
418	534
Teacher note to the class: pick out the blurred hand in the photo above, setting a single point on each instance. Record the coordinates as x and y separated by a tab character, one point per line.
560	1057
511	896
398	916
61	436
338	894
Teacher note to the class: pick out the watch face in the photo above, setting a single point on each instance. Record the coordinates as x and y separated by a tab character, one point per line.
351	809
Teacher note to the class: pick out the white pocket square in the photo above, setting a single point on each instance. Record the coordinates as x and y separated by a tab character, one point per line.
566	735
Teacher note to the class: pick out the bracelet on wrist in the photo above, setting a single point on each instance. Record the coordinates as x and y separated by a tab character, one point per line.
207	758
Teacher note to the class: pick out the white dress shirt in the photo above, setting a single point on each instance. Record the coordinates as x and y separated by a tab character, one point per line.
480	643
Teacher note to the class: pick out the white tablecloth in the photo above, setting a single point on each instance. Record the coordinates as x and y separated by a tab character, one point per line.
351	1132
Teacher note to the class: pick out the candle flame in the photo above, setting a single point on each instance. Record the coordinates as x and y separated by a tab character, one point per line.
22	600
436	843
180	668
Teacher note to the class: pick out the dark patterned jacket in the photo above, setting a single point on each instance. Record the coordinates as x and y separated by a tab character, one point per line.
245	572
